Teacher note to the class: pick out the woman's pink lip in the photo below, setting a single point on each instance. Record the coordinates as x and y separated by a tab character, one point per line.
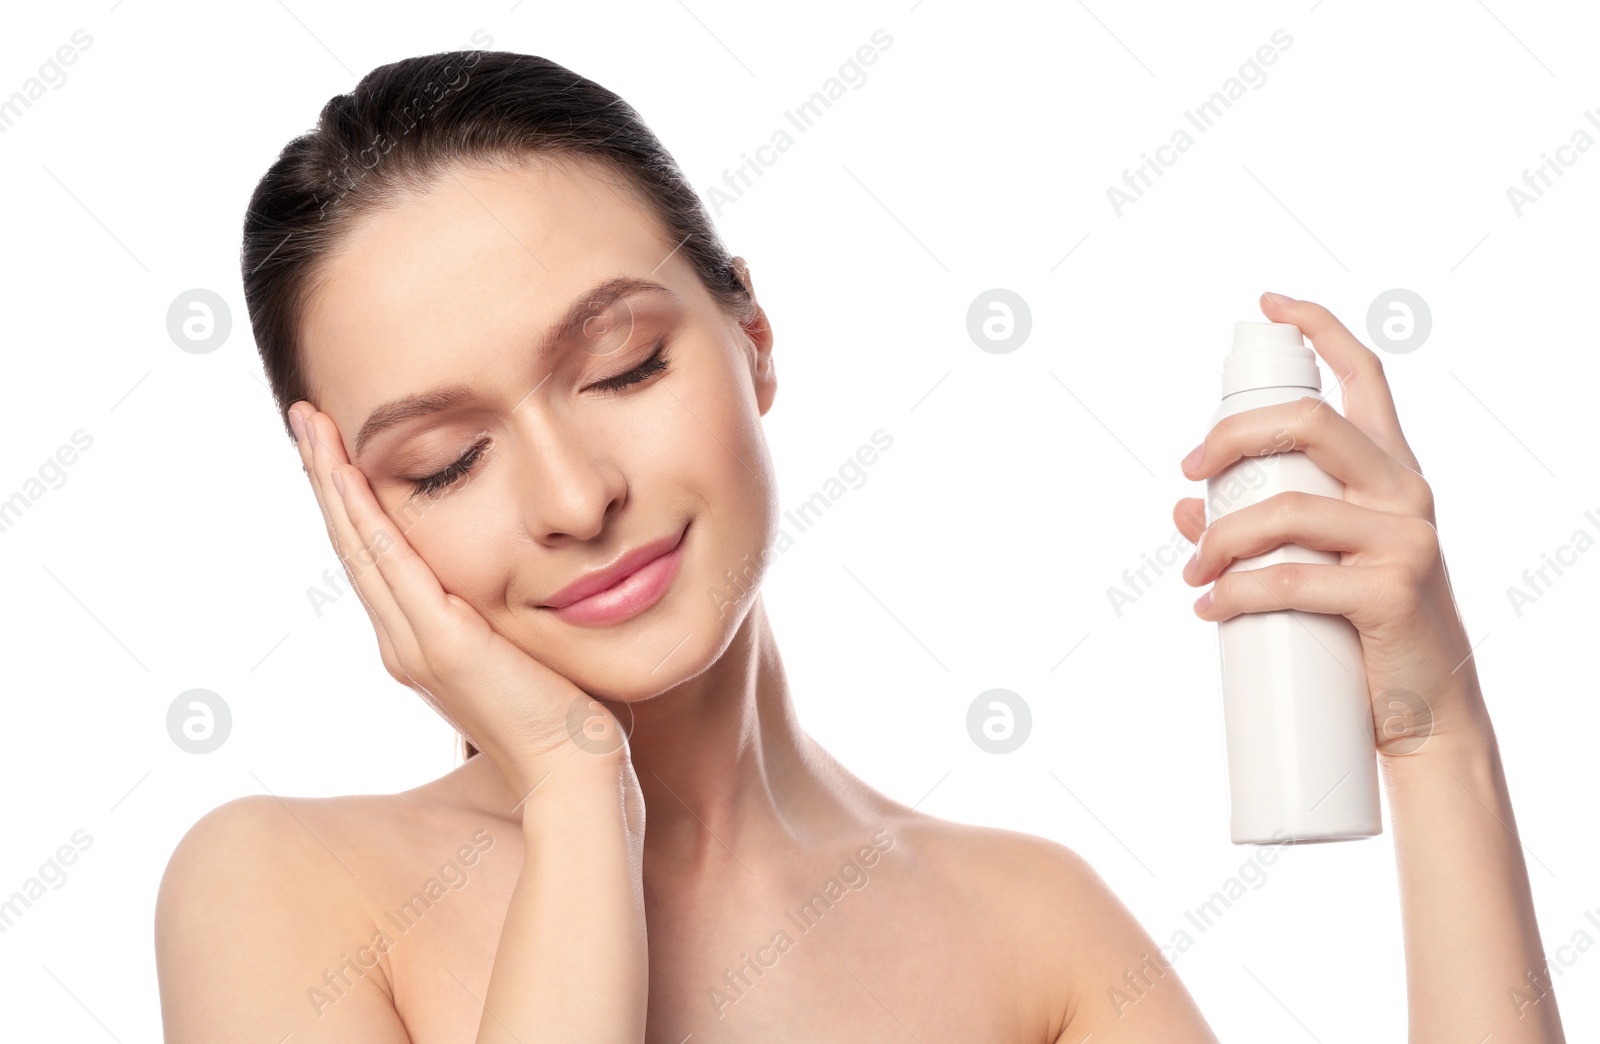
628	597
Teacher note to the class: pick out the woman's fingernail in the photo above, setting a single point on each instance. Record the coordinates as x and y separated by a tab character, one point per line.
1193	459
1278	298
338	481
297	424
311	434
1202	603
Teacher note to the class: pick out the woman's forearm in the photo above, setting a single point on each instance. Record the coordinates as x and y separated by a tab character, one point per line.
1475	967
572	962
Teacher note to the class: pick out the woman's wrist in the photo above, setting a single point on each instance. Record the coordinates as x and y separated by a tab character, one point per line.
1471	936
1461	737
1432	776
579	787
530	772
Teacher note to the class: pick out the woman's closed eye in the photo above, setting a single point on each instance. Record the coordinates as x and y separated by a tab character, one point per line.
644	371
434	484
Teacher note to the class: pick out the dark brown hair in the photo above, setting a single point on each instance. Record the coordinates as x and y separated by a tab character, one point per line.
409	123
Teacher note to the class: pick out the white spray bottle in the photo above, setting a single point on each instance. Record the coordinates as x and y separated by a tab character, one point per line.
1302	759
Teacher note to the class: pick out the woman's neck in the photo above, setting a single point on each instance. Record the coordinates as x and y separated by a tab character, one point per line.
728	775
724	765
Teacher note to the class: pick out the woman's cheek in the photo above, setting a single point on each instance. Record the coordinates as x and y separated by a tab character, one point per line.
466	563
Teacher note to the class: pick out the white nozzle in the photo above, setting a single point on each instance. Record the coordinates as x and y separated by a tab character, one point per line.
1269	355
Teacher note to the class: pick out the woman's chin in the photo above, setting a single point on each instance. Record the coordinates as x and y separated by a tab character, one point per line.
641	683
642	669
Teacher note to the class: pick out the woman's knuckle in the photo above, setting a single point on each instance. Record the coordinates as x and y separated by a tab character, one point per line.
1286	578
1292	505
1422	497
396	669
1421	548
1424	537
1312	416
1403	592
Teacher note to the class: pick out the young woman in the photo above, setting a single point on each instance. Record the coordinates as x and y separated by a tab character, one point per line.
526	382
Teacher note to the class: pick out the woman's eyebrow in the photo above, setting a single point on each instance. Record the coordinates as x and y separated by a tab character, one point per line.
584	307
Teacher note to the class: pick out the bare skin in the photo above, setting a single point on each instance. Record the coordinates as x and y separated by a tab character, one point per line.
1013	910
774	895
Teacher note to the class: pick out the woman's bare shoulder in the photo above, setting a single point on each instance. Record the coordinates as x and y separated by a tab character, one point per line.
1008	870
1076	942
263	837
348	836
263	889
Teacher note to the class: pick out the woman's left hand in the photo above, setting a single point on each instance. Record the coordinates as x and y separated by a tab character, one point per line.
1390	582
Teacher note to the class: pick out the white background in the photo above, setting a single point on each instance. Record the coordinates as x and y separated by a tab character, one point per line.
978	553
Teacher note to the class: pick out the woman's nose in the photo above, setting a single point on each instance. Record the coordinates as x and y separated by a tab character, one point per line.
570	482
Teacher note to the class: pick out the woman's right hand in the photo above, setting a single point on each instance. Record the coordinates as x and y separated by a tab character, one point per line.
535	725
528	719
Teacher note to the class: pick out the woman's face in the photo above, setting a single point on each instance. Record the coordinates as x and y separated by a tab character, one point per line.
558	475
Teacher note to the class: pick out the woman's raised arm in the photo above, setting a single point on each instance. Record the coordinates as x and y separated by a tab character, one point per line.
1475	966
1471	939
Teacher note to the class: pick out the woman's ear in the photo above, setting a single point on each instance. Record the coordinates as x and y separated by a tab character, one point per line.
759	330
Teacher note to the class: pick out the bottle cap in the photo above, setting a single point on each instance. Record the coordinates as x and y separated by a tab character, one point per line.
1269	355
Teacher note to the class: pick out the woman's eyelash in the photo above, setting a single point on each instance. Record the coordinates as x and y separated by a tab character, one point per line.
433	484
439	480
644	371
